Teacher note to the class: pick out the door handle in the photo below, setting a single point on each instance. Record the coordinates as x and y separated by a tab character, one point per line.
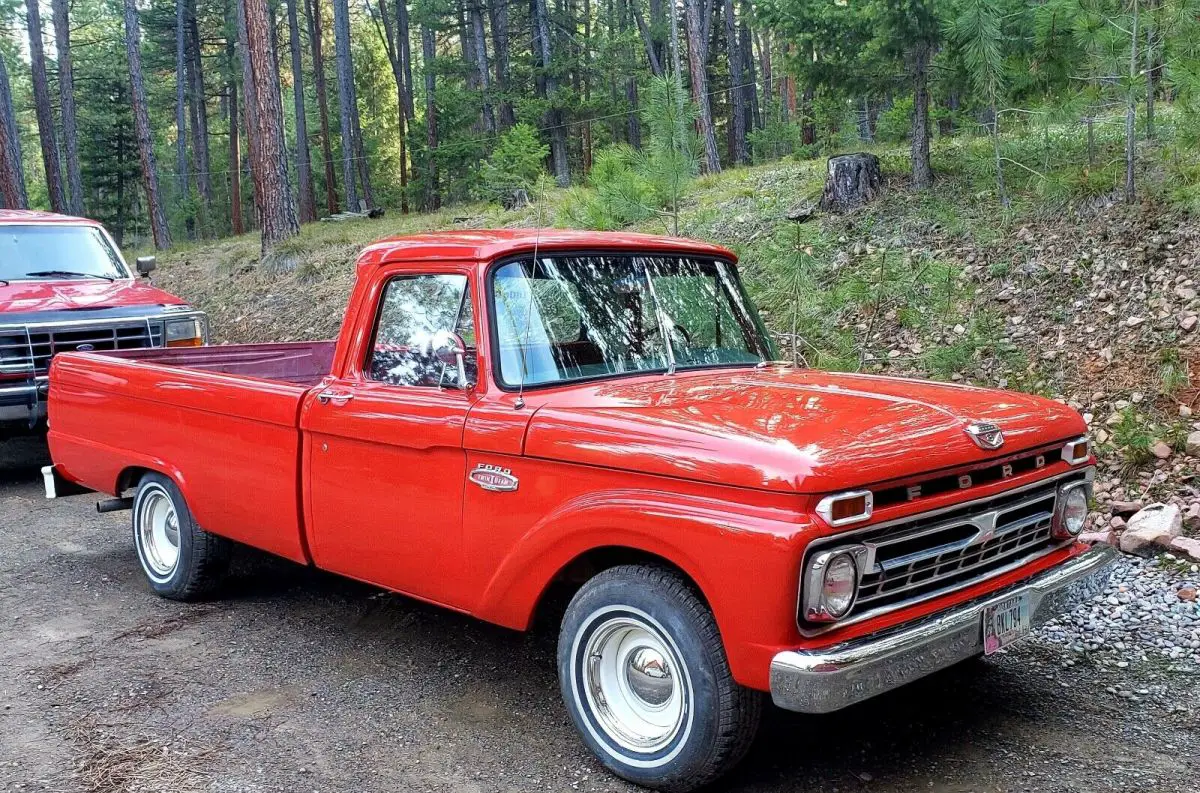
335	398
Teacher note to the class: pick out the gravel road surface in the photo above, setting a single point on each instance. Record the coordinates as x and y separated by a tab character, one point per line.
299	681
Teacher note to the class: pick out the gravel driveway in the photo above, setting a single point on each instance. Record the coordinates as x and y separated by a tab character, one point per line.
300	681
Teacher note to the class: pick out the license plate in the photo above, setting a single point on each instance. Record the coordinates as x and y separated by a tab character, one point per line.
1005	622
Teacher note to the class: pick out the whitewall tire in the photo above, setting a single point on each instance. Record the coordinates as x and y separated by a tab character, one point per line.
180	560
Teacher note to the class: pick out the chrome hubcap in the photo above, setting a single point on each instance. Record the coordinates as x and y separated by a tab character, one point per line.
158	528
634	686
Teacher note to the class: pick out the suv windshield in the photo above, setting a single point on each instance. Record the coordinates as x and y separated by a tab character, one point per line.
565	318
57	251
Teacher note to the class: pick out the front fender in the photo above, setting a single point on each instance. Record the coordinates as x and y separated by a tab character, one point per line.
743	557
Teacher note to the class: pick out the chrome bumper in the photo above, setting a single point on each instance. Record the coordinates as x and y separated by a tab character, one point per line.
831	678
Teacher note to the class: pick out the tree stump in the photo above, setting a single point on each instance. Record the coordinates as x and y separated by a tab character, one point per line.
852	180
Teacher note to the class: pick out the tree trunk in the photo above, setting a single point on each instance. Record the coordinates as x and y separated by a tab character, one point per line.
66	93
697	62
200	112
308	199
181	151
1131	112
498	15
313	9
276	206
12	169
737	110
251	125
922	171
750	90
393	53
548	84
234	171
235	163
141	119
481	63
353	156
433	198
653	50
45	114
1151	6
851	181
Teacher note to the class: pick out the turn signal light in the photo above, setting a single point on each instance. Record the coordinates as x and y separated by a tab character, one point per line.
196	342
852	507
1077	451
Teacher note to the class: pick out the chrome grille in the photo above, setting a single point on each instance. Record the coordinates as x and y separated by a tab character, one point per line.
27	351
915	559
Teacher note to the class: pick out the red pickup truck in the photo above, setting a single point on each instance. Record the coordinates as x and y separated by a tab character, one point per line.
513	416
63	287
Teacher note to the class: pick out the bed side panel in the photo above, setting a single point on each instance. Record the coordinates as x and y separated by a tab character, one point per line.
230	443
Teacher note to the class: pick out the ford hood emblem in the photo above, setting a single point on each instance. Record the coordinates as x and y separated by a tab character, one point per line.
85	347
985	434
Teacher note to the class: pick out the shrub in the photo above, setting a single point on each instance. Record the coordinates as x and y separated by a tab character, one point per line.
514	166
895	123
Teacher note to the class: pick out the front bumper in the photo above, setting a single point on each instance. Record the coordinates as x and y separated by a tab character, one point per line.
831	678
23	402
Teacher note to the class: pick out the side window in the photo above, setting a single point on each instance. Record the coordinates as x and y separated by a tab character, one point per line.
423	320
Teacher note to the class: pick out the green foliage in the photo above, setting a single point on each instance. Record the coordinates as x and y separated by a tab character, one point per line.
895	123
515	165
628	186
1133	435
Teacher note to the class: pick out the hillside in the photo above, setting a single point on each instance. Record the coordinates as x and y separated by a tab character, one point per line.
1093	302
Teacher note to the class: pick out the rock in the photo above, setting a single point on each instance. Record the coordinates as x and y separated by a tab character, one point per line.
1188	323
802	213
1117	523
1125	507
851	181
1099	537
1157	524
1133	322
1188	546
1187	594
1193	443
1160	450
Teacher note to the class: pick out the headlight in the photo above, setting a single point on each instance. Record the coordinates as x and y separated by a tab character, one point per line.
1072	510
185	332
831	584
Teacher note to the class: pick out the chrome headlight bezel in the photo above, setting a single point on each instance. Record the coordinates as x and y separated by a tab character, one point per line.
1062	528
815	606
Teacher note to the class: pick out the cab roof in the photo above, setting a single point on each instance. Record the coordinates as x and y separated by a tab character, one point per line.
485	245
34	216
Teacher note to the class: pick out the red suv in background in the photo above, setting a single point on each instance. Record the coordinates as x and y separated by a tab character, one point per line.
65	286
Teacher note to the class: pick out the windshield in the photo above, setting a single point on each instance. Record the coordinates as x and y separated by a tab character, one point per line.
578	317
57	251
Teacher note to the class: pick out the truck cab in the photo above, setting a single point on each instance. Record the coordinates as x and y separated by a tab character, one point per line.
64	286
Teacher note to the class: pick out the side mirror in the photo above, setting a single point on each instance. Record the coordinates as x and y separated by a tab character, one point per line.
146	265
450	349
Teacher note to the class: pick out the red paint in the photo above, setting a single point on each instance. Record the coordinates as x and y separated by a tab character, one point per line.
717	471
68	294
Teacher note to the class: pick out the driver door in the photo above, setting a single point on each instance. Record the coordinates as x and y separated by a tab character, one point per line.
386	465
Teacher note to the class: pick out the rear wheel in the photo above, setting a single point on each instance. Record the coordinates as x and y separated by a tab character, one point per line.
645	679
180	560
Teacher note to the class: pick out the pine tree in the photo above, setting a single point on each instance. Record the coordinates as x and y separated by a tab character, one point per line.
12	171
45	114
141	115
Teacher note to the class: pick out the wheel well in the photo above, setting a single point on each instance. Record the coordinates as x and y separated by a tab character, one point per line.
129	478
566	582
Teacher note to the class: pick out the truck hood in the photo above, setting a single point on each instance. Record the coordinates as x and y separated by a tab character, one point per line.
26	297
786	429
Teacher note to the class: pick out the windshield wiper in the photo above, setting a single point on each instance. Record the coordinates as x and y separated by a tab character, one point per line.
68	274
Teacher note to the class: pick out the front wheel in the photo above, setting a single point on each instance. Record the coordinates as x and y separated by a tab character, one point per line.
181	561
645	679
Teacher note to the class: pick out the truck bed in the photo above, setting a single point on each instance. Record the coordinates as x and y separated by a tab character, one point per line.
224	420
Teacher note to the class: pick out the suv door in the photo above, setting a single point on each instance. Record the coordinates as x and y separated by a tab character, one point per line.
386	467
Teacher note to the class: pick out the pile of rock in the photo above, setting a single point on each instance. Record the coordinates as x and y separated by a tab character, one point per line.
1144	530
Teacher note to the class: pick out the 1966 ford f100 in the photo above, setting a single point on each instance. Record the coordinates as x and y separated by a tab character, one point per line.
513	416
